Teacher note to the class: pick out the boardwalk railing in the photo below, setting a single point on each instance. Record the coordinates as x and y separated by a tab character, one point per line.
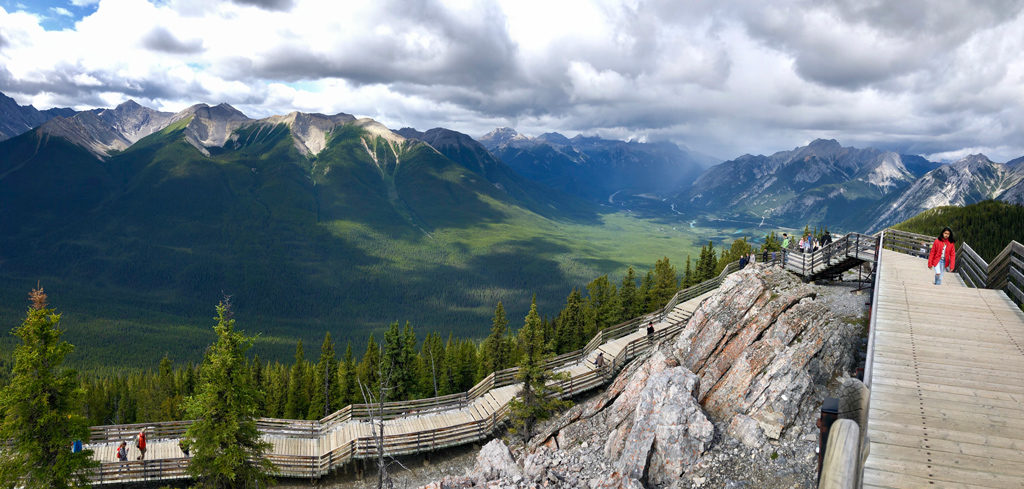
319	433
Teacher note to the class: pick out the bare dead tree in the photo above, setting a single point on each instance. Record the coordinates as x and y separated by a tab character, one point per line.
375	401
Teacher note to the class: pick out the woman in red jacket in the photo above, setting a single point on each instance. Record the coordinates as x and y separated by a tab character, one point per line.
943	254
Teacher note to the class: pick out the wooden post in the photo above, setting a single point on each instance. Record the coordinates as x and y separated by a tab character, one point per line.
841	466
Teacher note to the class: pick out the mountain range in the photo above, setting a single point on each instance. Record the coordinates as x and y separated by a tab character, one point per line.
825	183
139	221
16	119
597	169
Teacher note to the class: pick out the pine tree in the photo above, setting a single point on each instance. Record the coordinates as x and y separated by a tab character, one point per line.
629	296
433	357
537	400
369	367
571	324
603	300
39	408
349	389
666	283
496	351
648	303
297	404
688	274
326	391
227	450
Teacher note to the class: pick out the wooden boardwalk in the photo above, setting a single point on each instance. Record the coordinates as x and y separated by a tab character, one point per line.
314	448
947	382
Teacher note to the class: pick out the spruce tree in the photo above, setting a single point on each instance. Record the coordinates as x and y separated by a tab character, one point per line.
496	351
369	367
603	300
648	302
629	296
433	358
39	408
349	389
666	283
537	400
688	274
227	451
570	326
326	391
297	403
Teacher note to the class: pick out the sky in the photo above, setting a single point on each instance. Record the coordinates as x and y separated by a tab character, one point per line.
722	77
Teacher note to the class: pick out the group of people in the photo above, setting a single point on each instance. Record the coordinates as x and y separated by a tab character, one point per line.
140	444
808	243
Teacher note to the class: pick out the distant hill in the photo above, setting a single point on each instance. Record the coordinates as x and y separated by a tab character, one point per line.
17	119
310	222
987	226
594	168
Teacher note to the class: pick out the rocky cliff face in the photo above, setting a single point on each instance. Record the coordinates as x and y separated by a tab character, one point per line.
104	130
730	402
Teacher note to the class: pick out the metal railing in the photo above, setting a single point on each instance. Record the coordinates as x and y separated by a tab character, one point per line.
836	257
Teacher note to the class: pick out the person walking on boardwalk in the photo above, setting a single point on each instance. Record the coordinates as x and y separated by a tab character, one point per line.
140	443
943	255
650	332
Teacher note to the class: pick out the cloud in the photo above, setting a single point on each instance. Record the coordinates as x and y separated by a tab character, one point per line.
267	4
724	78
62	11
160	39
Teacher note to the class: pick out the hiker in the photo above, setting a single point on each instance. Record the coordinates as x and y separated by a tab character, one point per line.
140	443
650	332
76	446
942	258
785	241
743	261
122	453
599	361
826	239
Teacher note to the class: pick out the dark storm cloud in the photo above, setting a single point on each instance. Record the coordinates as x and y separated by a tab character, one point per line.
160	39
468	51
63	82
851	44
281	5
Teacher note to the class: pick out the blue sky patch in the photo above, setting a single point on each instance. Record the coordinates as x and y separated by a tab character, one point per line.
55	15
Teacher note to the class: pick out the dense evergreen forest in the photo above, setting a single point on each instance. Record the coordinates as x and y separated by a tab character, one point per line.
987	226
422	366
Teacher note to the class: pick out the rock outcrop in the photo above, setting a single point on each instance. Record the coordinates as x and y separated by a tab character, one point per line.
730	402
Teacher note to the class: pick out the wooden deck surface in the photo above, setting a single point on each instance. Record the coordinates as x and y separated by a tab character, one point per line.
947	383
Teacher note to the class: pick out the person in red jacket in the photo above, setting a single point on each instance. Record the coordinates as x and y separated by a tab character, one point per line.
943	255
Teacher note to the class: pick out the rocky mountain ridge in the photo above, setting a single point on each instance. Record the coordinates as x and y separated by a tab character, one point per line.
16	119
845	187
973	178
